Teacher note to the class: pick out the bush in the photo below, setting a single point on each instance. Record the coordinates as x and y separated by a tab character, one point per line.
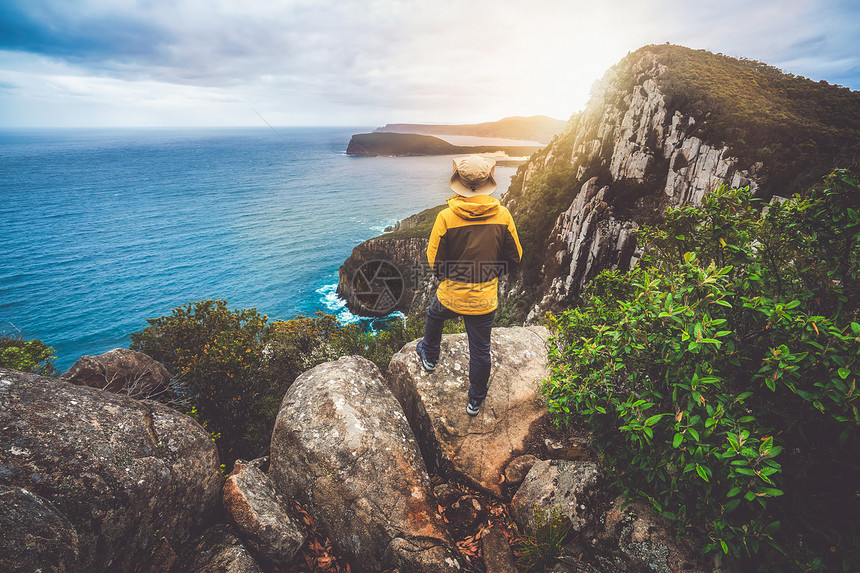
719	376
27	355
232	367
539	550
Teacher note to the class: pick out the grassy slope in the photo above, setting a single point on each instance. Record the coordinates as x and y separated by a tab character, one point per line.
425	218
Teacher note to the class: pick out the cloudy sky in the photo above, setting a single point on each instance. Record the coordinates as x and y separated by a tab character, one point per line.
370	62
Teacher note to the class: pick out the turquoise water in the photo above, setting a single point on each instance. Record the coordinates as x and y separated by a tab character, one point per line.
102	229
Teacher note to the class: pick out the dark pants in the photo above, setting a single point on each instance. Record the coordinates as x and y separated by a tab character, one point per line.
478	329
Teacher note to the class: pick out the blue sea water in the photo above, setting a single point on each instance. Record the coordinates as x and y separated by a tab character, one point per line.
102	229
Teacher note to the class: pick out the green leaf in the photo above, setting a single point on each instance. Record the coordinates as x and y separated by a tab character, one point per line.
676	441
724	546
694	433
733	492
654	419
844	372
702	474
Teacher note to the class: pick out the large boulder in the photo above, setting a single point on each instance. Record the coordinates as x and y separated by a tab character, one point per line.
559	487
120	370
33	535
646	541
260	514
342	446
475	448
125	473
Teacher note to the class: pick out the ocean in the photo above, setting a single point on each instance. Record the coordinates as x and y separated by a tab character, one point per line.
104	228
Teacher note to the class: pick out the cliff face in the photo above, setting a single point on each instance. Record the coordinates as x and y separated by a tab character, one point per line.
405	254
406	249
664	126
627	158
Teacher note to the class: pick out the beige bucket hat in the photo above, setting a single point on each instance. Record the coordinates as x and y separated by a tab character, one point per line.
473	175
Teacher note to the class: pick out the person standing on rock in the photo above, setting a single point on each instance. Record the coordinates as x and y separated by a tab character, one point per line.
473	242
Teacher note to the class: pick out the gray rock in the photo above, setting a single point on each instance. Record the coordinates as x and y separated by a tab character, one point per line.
498	557
516	471
464	514
121	371
342	446
475	448
571	488
217	550
124	472
446	494
33	535
260	514
647	541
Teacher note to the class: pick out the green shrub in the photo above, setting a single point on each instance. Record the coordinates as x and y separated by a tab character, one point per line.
537	551
27	355
719	376
232	367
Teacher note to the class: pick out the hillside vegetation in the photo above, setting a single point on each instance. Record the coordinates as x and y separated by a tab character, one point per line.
718	378
799	128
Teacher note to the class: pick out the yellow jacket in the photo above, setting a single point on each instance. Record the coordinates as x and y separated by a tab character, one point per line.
473	242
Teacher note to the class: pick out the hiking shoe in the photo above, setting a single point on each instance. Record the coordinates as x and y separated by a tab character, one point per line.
427	364
473	407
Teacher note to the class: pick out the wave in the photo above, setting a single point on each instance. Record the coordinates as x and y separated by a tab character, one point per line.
337	306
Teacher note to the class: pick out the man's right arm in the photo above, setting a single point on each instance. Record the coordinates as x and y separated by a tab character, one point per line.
437	249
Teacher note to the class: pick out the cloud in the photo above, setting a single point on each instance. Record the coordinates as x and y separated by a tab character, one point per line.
374	61
75	32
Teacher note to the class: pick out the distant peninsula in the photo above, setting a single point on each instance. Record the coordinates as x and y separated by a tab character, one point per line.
539	128
406	144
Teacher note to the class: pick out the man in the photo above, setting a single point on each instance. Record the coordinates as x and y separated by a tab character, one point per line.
473	242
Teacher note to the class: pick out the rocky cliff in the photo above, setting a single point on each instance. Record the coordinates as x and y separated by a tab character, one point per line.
405	144
405	248
663	127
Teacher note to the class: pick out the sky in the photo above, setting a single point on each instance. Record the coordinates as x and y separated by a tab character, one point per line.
190	63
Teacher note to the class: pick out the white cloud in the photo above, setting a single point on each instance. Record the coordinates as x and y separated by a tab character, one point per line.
369	62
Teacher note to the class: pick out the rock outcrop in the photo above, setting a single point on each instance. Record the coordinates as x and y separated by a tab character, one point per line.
217	550
569	489
34	536
121	371
124	473
646	541
260	514
407	255
405	144
630	157
477	449
342	447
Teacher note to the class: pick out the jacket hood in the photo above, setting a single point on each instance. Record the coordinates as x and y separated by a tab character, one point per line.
474	208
